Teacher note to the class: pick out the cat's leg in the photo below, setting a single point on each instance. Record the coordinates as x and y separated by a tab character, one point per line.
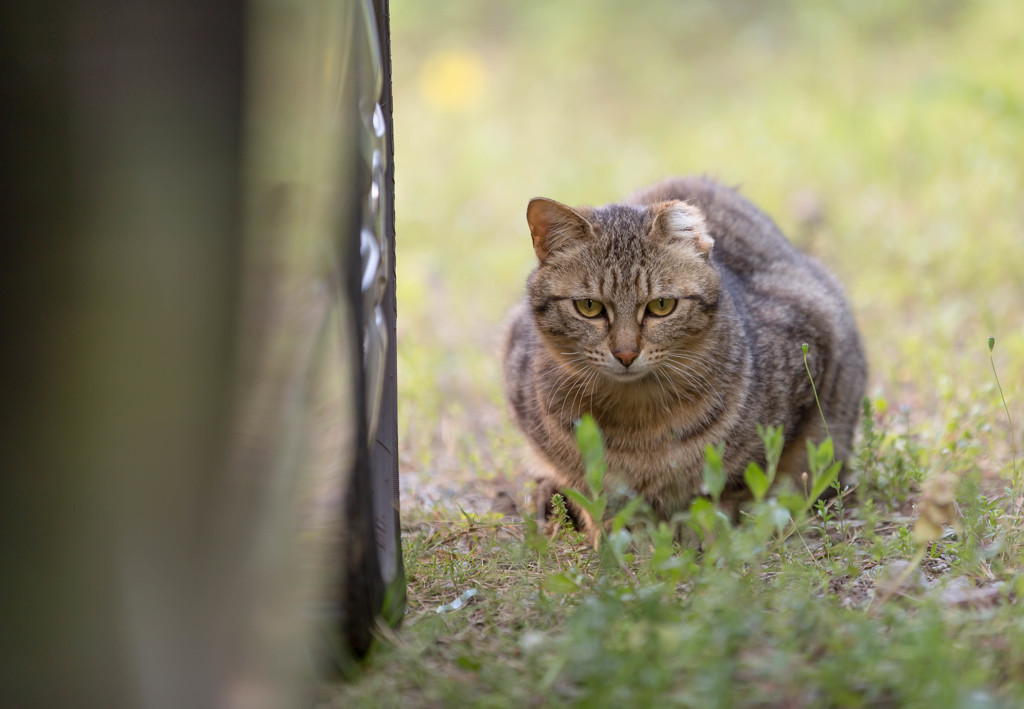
733	500
544	503
793	462
581	520
843	412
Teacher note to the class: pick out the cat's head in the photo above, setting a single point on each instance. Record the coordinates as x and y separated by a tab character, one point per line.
624	289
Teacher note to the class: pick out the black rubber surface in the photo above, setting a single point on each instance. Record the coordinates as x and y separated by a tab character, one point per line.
373	579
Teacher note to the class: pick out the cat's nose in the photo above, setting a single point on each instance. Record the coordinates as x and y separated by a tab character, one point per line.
626	356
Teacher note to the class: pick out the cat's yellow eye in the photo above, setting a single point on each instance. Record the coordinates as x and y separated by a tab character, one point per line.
589	308
661	307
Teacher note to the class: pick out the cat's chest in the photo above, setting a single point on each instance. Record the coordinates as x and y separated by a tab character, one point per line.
652	438
661	463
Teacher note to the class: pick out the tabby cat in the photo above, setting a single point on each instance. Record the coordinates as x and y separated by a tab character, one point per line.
676	318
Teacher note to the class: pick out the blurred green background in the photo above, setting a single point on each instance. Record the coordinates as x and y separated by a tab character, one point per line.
883	137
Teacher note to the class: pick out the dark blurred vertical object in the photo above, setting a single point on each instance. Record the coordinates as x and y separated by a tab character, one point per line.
177	375
372	581
121	221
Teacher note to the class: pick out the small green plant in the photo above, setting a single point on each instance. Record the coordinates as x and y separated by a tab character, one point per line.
611	537
565	529
888	463
824	468
983	536
714	471
820	474
758	480
704	517
1013	442
805	348
591	445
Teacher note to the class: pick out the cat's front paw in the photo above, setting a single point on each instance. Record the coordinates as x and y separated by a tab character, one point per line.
549	518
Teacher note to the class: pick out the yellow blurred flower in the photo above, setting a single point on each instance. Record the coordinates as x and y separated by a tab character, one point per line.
451	79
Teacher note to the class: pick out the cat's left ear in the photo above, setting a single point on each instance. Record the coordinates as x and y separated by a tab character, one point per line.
675	220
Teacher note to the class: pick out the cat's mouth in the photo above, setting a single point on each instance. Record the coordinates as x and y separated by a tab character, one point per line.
628	375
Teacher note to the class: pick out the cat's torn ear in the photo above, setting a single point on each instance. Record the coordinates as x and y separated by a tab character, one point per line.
677	220
552	225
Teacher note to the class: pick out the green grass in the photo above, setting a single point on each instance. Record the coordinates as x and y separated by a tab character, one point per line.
796	606
883	137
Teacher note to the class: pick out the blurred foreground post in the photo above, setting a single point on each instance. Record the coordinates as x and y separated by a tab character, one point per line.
177	374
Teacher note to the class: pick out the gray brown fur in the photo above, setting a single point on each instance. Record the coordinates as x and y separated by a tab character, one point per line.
729	356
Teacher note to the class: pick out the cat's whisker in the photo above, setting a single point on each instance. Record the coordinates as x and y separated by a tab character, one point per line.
567	375
593	387
565	391
572	362
690	366
577	368
565	371
699	367
690	359
565	398
574	410
657	376
582	393
686	364
692	378
575	389
686	367
679	396
695	389
675	389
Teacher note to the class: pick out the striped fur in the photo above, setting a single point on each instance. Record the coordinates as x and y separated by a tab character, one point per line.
728	357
